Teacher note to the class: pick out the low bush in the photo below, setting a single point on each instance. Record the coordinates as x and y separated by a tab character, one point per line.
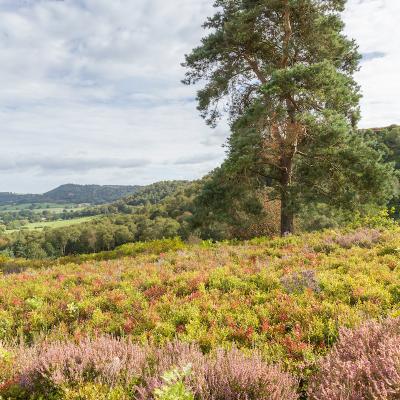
174	387
364	364
231	376
300	281
93	391
112	369
363	237
106	361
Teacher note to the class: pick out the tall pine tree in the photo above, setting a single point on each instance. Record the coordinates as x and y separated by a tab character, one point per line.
282	70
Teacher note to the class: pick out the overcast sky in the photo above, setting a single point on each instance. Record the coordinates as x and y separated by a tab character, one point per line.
90	90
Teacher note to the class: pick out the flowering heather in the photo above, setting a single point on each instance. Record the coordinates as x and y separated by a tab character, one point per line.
228	375
105	360
233	376
364	364
299	281
174	355
363	237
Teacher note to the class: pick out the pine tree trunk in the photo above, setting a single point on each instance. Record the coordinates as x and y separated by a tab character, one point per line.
287	216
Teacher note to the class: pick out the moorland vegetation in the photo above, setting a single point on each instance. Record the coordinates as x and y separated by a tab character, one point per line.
203	290
257	318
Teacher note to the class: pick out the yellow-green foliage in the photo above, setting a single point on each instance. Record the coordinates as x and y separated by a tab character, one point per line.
12	265
174	387
94	392
286	296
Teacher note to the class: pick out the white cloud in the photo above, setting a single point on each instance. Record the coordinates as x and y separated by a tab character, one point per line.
374	25
57	163
99	80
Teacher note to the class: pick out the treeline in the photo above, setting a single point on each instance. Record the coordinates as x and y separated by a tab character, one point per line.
123	223
212	208
10	220
13	198
147	195
93	194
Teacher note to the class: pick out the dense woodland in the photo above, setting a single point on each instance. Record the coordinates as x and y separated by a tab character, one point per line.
160	211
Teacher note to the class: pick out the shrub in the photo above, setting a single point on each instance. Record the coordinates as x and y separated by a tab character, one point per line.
363	237
231	376
105	360
93	391
112	369
174	387
174	355
297	282
383	218
364	364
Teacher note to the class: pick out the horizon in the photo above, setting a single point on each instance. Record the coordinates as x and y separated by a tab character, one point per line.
98	109
78	184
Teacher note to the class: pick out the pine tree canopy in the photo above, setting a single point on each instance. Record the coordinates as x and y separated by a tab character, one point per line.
282	71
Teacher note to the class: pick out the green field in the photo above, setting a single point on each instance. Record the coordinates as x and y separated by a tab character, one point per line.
51	224
39	207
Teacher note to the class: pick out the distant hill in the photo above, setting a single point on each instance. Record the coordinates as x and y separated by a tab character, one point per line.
71	193
154	193
13	198
94	194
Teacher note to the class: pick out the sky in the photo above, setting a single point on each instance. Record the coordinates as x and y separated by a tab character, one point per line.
90	90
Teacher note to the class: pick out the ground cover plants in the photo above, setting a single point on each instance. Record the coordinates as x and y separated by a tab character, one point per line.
365	364
140	372
52	224
281	301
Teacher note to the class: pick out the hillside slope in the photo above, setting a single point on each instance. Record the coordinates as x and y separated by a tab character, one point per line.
93	194
154	193
71	193
287	297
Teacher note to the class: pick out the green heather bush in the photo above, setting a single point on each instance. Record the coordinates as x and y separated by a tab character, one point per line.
93	391
380	219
